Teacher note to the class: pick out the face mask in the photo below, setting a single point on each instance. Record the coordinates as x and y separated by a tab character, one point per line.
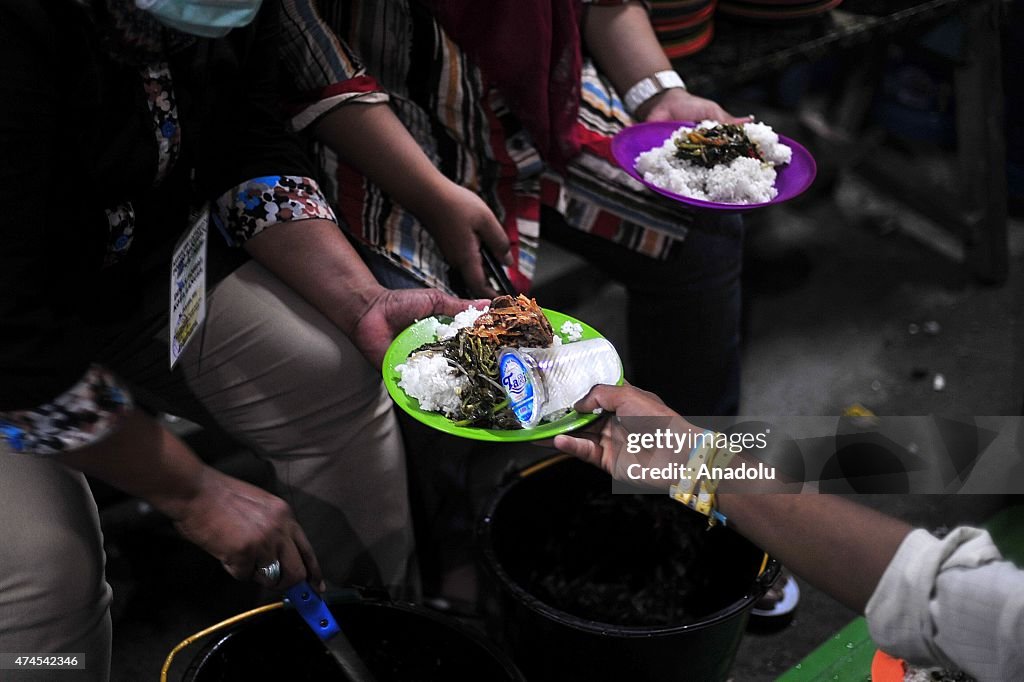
206	18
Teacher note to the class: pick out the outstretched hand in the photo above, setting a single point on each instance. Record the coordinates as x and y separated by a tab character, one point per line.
604	443
677	104
392	310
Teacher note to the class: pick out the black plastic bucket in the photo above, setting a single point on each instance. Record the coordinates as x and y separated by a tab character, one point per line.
399	642
552	558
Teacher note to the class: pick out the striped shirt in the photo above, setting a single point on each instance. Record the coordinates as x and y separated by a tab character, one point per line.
395	51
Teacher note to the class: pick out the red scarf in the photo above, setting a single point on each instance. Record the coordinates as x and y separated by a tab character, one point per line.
530	50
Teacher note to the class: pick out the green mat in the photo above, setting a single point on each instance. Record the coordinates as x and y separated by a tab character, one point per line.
1007	529
848	654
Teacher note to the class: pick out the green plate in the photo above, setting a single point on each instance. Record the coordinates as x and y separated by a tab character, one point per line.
419	334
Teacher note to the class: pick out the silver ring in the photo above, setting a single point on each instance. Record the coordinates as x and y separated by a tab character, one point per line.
272	571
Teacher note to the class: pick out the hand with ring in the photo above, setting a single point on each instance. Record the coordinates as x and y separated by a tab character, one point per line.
271	573
252	532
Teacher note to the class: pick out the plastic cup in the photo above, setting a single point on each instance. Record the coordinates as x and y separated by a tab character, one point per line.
540	381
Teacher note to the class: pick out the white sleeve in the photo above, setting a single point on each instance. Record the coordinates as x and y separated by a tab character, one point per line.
952	602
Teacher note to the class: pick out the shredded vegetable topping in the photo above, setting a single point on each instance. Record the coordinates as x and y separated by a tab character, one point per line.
709	147
517	322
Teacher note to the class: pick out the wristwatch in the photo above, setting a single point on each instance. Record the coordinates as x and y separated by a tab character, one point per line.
646	88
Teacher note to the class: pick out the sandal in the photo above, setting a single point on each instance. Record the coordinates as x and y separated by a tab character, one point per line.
780	600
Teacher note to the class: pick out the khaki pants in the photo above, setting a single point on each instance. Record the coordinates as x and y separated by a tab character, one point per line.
53	598
277	375
280	378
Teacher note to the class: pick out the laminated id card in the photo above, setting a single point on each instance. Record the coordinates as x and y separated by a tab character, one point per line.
188	283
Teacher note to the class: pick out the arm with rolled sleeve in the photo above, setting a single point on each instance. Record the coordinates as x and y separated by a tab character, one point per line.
266	201
260	179
323	71
952	602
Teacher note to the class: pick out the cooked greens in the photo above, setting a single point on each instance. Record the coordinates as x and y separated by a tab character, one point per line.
709	147
482	400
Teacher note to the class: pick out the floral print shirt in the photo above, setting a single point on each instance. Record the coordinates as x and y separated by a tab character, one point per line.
91	408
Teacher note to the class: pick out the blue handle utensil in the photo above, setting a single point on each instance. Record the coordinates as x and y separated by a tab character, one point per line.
319	618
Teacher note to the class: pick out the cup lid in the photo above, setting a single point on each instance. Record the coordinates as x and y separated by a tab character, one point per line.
522	390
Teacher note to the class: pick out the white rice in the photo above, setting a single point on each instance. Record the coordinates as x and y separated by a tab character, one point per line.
741	181
464	319
572	331
427	377
767	140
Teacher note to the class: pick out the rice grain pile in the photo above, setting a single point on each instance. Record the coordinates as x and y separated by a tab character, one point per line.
743	180
573	331
428	377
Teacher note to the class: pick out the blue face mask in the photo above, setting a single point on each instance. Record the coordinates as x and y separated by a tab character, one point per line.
206	18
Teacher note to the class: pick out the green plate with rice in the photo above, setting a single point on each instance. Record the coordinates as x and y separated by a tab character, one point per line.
423	332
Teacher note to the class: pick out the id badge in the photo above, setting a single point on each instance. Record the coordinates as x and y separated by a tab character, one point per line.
188	283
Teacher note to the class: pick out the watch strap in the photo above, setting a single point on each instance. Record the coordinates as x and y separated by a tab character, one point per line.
648	87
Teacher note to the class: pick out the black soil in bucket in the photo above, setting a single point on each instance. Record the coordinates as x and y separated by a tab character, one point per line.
399	643
595	586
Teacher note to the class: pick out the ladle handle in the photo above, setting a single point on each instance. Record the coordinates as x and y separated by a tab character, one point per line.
321	621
